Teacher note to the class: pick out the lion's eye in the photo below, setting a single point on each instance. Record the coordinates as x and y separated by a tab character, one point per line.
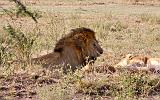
94	45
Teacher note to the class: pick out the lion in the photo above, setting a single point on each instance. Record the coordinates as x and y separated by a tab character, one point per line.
75	49
134	60
153	65
139	62
148	65
133	63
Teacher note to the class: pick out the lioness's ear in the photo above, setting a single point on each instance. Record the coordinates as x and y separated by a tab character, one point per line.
58	48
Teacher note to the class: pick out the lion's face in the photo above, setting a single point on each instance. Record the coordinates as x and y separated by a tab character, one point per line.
93	49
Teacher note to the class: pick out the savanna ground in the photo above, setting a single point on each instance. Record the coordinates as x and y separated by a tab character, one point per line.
121	26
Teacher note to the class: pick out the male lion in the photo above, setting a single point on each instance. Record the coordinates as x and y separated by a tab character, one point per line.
74	49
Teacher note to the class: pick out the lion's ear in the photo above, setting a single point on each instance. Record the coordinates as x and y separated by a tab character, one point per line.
58	48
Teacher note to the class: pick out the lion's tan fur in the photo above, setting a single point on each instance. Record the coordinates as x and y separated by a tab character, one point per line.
132	59
139	62
153	65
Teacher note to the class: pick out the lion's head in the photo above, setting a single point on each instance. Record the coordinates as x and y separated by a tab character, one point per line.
74	49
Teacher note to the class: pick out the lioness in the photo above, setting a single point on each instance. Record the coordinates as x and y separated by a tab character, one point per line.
138	62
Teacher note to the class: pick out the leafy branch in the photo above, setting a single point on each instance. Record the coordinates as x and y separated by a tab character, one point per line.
23	9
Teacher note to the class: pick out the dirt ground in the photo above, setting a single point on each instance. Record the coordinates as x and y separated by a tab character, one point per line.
123	27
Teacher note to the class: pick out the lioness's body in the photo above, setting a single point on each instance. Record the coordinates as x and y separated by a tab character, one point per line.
139	62
154	65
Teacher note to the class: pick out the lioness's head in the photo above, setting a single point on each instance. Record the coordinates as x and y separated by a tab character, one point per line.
133	61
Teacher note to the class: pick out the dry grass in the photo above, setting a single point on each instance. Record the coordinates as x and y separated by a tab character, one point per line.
119	34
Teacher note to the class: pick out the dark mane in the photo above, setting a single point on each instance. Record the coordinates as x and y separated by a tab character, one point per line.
81	30
86	32
76	31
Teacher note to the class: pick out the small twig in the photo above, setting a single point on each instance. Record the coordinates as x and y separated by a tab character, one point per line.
22	7
6	11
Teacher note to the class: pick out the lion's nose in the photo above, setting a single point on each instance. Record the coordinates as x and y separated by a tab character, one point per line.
93	58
